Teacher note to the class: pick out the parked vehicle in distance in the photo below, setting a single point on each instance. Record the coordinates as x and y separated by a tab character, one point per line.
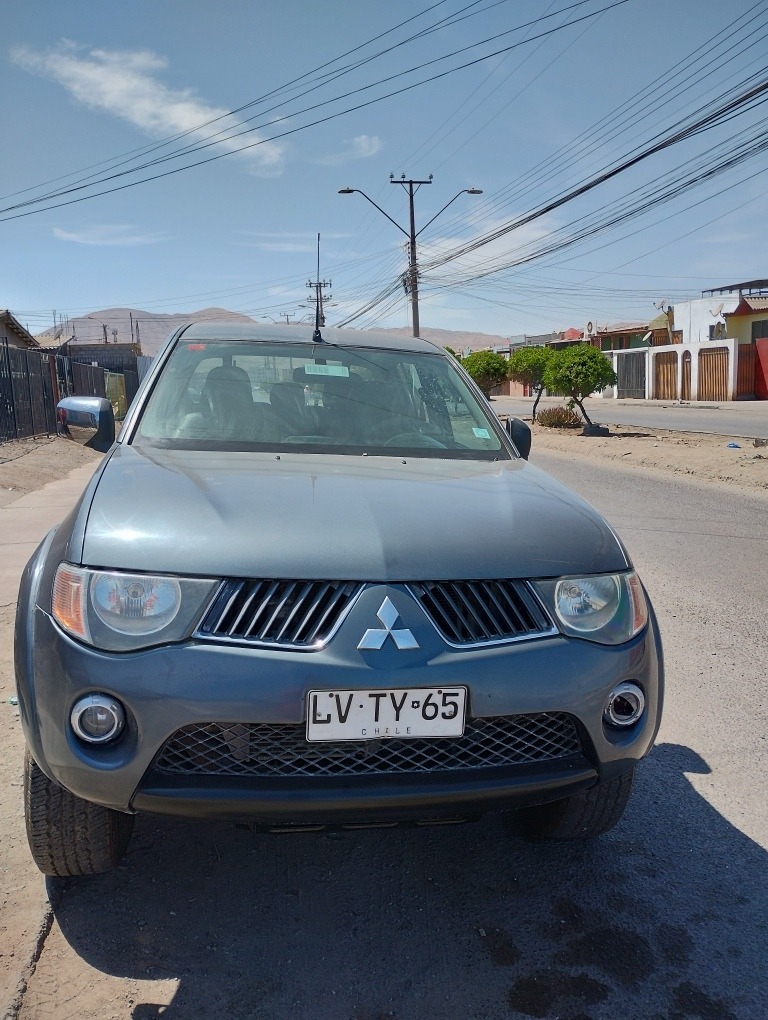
359	608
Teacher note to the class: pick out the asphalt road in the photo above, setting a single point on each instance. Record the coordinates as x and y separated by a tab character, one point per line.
748	418
662	919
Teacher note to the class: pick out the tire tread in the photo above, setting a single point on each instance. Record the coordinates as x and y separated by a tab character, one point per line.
69	836
582	815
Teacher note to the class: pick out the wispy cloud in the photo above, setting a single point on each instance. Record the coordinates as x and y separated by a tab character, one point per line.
126	84
286	242
283	246
359	147
107	235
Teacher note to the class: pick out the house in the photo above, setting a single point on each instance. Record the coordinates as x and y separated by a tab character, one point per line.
703	318
748	322
13	334
702	349
620	336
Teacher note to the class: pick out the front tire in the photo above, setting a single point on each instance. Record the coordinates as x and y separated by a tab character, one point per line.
67	835
582	815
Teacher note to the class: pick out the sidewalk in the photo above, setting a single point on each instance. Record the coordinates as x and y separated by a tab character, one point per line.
750	408
747	418
24	906
25	522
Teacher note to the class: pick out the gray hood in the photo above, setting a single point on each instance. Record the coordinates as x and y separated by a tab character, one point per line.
352	518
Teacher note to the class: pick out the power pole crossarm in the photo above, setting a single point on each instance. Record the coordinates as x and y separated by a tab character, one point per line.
411	278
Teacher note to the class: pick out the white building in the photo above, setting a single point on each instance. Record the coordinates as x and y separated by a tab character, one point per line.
704	318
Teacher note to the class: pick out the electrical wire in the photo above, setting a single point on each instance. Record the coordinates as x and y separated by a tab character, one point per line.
4	213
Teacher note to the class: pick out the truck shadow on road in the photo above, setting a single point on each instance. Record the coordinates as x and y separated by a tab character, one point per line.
663	918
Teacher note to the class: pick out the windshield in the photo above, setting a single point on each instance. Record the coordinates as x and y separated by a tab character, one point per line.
315	398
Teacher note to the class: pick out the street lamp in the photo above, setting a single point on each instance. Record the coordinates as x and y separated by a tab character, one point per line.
412	187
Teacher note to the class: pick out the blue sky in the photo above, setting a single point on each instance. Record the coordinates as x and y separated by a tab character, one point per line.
88	85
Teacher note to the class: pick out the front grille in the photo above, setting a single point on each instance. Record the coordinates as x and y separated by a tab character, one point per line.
276	750
295	614
480	612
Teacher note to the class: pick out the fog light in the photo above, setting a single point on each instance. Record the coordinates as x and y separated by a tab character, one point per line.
625	705
97	718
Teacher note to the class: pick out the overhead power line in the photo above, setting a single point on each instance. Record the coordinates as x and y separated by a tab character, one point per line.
13	211
749	98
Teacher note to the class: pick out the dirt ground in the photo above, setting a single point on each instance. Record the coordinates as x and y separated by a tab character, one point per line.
705	458
27	465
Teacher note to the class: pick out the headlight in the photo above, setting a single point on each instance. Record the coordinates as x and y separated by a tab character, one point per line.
607	608
132	604
123	612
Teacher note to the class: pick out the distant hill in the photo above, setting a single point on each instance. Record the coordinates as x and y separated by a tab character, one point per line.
454	338
150	329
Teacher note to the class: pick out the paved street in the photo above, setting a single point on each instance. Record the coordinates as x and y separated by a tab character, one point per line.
747	418
662	918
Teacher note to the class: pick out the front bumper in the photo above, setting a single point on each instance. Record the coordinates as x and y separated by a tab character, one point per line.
408	798
168	688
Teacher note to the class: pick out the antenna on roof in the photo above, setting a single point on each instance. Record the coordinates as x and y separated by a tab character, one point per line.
660	304
716	311
318	285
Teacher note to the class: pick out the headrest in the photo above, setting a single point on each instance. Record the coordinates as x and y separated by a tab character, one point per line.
228	373
230	378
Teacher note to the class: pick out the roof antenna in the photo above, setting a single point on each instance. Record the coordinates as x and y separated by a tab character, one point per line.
318	286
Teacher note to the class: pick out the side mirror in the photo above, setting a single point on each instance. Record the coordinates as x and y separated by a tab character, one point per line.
90	421
520	434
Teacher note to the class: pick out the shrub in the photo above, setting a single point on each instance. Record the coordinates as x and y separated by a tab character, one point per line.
559	418
487	368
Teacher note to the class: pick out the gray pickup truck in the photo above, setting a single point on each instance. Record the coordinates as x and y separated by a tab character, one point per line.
315	582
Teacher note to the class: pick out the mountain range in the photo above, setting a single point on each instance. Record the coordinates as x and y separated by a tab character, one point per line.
150	329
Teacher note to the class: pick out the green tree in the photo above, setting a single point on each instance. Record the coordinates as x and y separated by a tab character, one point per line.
526	365
452	352
487	368
578	371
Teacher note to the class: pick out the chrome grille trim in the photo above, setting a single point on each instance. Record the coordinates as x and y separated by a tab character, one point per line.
483	612
269	613
281	750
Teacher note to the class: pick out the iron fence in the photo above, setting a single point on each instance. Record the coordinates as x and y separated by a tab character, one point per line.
27	401
31	383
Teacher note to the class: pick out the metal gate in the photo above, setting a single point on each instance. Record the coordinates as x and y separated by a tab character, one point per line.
26	394
745	371
630	370
665	381
88	380
713	374
685	387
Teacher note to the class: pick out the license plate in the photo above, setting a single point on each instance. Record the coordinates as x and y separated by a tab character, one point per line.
376	715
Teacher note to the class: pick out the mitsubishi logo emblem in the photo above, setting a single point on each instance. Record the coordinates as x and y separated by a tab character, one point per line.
373	640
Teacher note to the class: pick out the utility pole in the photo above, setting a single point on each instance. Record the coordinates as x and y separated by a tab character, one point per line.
411	281
413	271
319	286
